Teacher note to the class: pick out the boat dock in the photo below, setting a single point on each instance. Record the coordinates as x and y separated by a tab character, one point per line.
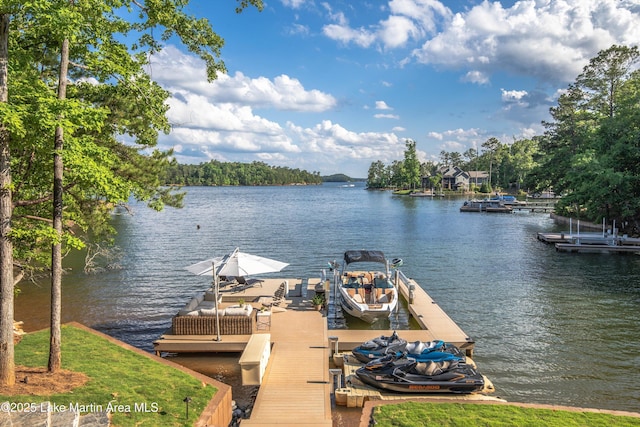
594	242
296	332
535	206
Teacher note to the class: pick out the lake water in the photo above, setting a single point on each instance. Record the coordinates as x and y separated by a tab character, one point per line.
549	327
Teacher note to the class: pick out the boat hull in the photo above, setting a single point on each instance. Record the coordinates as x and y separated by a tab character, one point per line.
403	376
369	313
368	294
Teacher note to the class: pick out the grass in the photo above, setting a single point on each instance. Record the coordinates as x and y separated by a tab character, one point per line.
117	376
411	414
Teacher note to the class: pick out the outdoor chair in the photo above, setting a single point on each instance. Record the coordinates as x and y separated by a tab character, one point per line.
248	282
278	296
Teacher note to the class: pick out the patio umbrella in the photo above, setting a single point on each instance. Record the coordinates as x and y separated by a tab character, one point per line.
234	264
237	264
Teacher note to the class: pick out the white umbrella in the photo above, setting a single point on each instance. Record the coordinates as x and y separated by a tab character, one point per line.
237	264
234	264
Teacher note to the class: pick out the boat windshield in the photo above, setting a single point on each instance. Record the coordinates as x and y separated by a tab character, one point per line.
364	256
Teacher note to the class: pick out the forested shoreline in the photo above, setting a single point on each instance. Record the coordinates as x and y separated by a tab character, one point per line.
217	173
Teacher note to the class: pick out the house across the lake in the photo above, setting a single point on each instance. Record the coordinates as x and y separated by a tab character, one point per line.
454	178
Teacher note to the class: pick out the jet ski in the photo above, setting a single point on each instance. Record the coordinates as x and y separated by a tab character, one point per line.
379	347
436	350
404	374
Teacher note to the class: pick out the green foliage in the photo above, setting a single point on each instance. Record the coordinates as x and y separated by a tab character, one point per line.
486	188
589	153
339	177
234	173
468	414
318	299
116	375
379	176
405	174
111	117
411	165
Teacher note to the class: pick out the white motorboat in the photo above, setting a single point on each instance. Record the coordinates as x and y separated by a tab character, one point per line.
368	294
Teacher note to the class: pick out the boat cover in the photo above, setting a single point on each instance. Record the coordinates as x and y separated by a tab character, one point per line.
364	256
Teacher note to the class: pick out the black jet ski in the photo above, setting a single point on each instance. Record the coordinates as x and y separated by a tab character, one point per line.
406	375
379	347
436	350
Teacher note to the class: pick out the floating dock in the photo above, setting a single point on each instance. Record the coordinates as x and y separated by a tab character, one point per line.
584	248
600	243
298	366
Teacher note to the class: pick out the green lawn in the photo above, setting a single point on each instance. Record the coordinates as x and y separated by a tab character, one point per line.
119	378
412	414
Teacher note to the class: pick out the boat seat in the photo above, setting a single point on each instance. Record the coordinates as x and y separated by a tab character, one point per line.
415	347
358	298
383	298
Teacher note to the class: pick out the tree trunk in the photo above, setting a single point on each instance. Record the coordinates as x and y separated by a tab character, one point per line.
55	353
7	362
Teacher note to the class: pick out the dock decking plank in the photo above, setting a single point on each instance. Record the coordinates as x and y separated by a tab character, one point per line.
295	389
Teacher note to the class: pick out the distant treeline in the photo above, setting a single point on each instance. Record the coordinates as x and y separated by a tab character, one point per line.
234	173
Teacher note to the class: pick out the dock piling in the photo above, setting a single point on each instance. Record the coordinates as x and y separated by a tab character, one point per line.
336	379
333	345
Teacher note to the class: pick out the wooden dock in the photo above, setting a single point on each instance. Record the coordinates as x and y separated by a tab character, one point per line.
298	382
543	206
584	248
295	389
591	242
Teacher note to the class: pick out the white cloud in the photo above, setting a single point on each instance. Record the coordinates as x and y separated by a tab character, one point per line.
294	4
282	93
409	20
513	95
386	116
218	120
550	40
426	13
333	139
346	35
381	105
395	31
298	29
477	77
458	140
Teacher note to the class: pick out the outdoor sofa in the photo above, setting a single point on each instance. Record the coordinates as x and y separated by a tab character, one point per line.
198	317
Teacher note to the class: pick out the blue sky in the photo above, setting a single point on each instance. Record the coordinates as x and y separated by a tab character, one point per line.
332	86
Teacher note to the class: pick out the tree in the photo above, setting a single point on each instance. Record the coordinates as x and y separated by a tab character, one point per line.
55	341
377	175
521	156
411	166
470	155
491	145
588	151
602	77
100	171
7	364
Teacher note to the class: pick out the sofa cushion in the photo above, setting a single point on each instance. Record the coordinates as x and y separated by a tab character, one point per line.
206	305
210	312
192	304
188	312
238	311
